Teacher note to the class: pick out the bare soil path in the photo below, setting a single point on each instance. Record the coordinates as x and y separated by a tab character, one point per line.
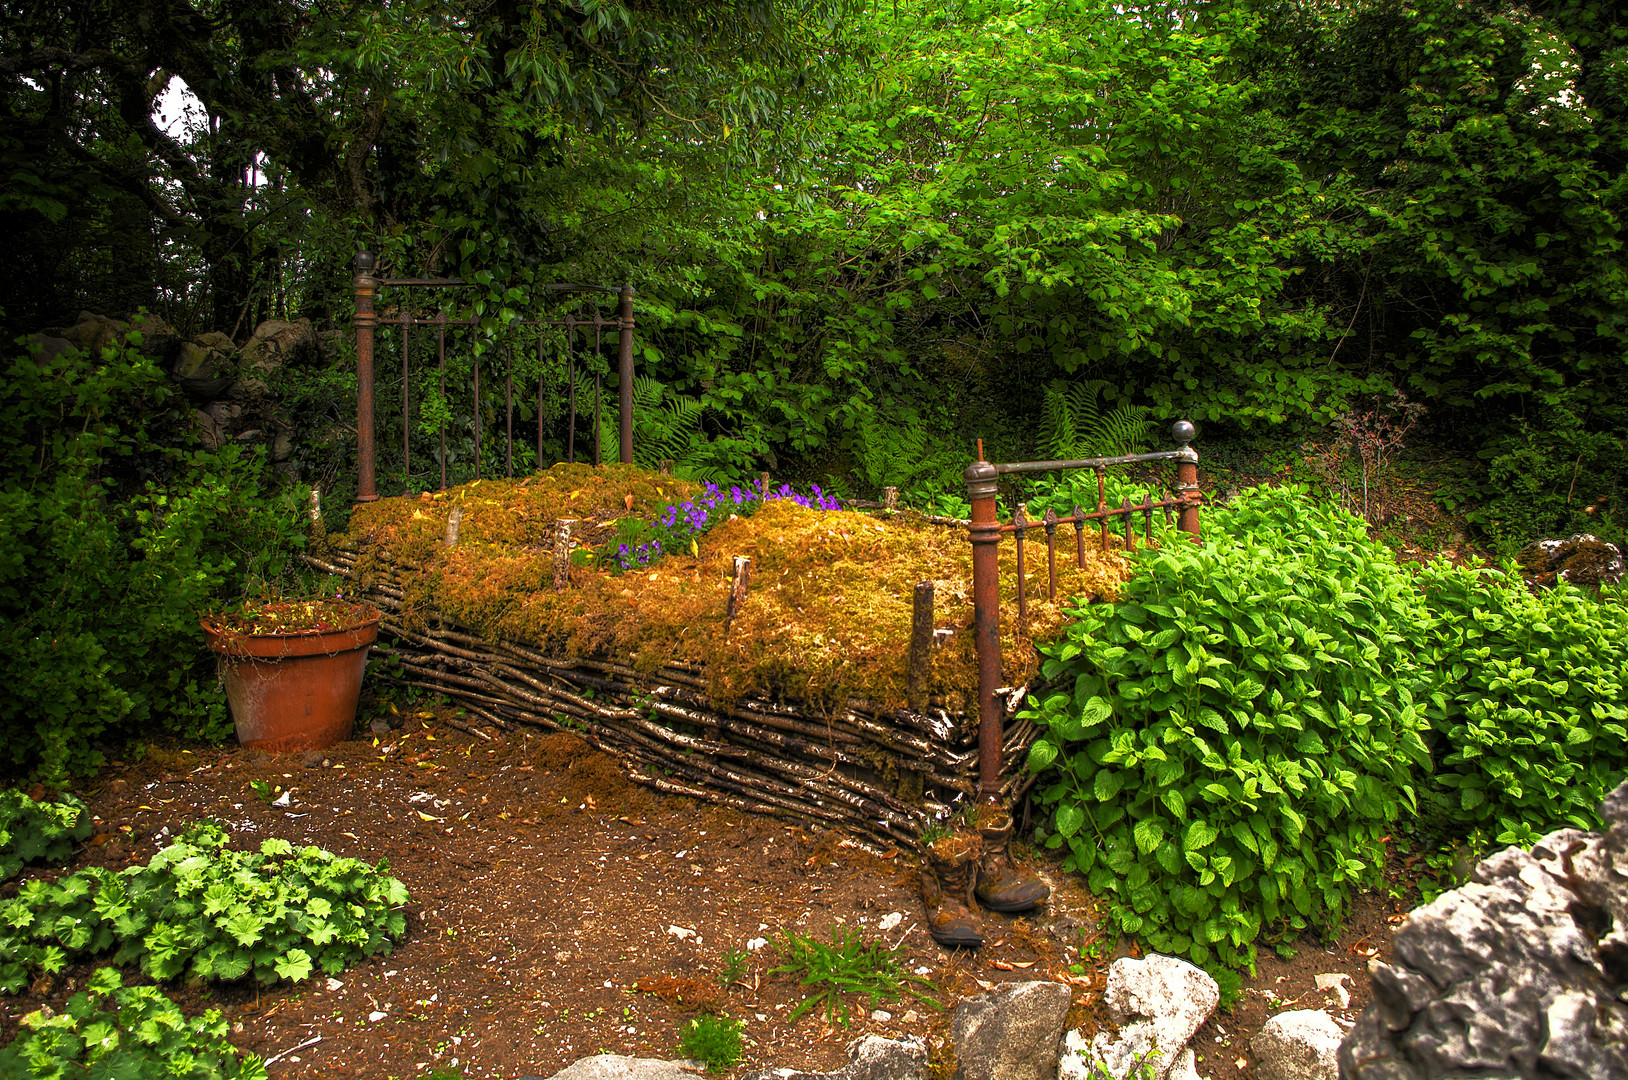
559	911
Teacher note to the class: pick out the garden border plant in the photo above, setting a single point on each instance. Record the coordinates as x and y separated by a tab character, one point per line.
206	910
38	831
1249	722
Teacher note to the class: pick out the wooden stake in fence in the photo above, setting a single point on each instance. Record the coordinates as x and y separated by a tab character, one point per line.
890	499
316	506
562	553
921	648
737	588
454	519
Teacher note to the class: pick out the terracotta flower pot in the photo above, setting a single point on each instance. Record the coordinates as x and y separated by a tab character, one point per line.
294	689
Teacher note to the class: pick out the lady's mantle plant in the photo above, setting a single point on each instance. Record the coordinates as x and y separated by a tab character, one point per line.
1241	730
128	1032
677	528
201	909
31	831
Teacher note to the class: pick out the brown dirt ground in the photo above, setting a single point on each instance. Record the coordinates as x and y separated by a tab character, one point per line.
546	890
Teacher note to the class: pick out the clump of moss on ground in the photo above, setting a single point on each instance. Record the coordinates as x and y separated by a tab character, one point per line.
828	615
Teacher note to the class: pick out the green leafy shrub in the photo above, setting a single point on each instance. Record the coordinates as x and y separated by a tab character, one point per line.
128	1032
1241	729
203	909
118	529
1529	711
31	831
714	1040
848	965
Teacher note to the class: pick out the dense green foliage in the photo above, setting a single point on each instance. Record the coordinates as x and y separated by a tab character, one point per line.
129	1032
713	1040
1232	743
202	909
118	530
864	235
38	831
1236	743
1528	708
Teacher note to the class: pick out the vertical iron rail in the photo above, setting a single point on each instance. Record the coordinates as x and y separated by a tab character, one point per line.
441	355
1187	479
1051	555
477	416
624	373
985	530
1102	508
406	404
508	411
1020	526
571	390
367	287
596	414
537	466
1079	535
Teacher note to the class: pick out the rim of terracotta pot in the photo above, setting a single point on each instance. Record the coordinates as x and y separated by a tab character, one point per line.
233	643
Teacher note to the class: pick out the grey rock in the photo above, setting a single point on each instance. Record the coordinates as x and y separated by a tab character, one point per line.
1298	1045
158	338
1158	1002
617	1067
90	332
50	348
208	429
1011	1033
202	372
1514	974
869	1058
281	446
276	342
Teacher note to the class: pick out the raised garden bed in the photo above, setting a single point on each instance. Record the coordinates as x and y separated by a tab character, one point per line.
797	705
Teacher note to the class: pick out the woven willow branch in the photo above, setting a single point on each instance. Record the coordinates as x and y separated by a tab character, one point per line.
876	773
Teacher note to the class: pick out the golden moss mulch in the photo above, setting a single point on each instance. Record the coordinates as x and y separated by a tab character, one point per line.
828	615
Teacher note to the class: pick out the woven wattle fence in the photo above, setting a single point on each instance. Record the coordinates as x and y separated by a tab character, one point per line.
877	773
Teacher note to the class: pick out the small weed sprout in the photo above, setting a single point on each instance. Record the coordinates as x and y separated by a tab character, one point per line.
847	966
734	962
712	1040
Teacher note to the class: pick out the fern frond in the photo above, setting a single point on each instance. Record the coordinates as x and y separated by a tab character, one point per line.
1073	425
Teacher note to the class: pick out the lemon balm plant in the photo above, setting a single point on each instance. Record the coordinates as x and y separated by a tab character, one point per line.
1238	732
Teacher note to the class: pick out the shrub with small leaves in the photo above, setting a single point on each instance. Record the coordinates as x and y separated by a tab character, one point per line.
207	911
1241	729
38	831
125	1032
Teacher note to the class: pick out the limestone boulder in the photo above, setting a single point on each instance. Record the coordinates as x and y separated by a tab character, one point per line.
277	342
1520	972
870	1058
1013	1032
1157	1003
204	370
618	1067
1299	1045
90	332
